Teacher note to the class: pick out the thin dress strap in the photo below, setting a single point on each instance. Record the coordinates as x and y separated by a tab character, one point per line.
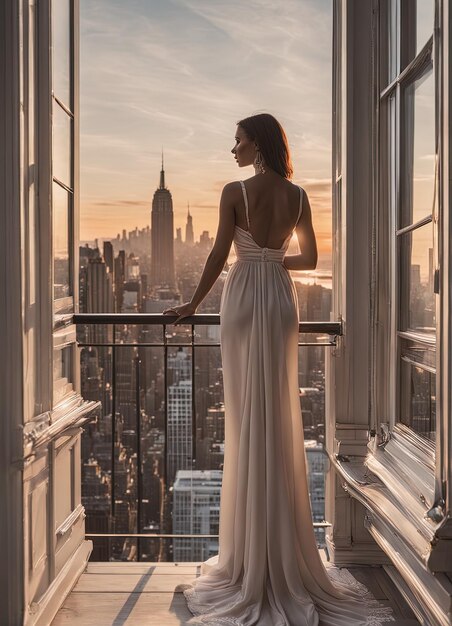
300	208
246	203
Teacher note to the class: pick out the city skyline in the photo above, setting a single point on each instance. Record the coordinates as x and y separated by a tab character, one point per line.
140	64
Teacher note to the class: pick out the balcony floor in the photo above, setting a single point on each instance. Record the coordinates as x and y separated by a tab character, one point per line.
138	594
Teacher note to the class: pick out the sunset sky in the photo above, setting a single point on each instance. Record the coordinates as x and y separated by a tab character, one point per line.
179	74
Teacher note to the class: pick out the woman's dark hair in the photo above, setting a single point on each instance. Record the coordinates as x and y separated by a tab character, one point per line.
269	135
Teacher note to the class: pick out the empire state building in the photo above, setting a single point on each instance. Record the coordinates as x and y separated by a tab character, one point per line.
162	227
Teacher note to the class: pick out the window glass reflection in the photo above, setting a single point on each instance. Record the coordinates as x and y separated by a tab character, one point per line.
61	244
416	280
418	409
418	148
61	45
419	353
425	13
63	371
62	124
416	27
388	15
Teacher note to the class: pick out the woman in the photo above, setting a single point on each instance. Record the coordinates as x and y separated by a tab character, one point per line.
268	571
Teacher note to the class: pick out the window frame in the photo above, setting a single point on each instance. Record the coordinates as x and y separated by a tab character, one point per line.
62	309
424	451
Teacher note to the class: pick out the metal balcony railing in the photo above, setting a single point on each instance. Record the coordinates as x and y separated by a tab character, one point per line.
92	332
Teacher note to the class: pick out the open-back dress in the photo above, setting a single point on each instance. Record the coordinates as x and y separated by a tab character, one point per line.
268	571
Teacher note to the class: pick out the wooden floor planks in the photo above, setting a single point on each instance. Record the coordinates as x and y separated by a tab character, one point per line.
149	594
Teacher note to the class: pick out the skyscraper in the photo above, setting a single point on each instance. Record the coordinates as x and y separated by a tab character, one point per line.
179	413
162	226
109	256
189	236
99	292
119	274
196	510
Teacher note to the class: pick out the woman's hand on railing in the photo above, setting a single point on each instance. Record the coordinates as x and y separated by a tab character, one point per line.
183	310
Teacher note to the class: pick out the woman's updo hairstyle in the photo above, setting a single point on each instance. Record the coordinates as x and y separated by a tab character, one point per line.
269	135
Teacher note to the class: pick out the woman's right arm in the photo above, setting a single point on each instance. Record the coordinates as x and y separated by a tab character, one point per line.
307	260
222	245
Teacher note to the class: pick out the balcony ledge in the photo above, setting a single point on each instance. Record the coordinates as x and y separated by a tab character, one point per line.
109	593
406	535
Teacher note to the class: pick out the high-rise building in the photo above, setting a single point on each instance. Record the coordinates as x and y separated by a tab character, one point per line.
179	413
95	499
108	255
189	236
196	510
120	270
99	290
317	460
162	236
205	241
179	427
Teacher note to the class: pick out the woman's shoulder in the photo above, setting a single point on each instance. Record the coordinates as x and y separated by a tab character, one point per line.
257	181
295	185
231	191
235	184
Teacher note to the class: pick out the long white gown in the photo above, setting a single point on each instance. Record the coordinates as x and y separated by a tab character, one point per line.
268	571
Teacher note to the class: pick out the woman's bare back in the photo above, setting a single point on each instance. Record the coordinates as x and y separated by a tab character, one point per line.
273	204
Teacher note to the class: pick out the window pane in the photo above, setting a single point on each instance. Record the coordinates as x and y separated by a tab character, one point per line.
61	163
418	149
417	21
61	45
417	309
425	14
388	15
62	372
418	401
61	209
418	353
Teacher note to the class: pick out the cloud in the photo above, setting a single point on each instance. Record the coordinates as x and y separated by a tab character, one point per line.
121	203
179	74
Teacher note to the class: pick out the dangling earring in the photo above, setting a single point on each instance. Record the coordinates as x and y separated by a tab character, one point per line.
259	162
